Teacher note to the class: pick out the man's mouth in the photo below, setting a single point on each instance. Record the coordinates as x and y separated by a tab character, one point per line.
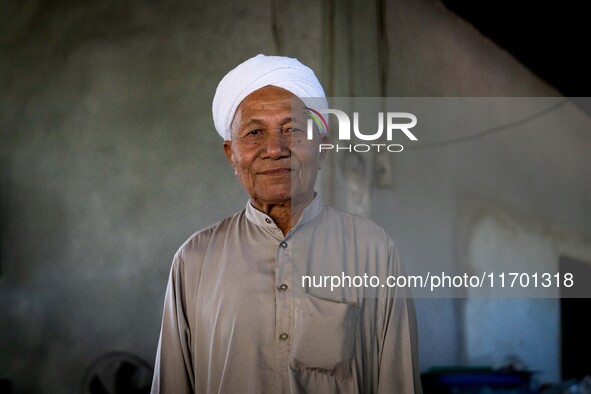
276	172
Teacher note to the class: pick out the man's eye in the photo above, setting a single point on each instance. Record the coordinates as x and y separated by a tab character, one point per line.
294	130
253	132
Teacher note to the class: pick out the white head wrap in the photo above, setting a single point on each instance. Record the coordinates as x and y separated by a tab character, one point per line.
258	72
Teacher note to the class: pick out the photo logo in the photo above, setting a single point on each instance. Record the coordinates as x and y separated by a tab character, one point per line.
393	126
317	118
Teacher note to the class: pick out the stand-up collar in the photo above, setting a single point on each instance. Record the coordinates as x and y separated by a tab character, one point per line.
262	219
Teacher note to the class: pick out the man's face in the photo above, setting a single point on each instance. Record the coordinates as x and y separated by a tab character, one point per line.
270	151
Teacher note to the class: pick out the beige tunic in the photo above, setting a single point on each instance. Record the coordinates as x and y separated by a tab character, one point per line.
236	319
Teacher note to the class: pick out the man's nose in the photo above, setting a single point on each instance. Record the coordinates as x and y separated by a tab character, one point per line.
277	144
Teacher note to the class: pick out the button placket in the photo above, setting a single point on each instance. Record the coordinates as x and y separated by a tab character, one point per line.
282	299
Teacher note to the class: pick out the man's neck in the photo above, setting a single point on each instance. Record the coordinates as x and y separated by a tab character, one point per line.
285	214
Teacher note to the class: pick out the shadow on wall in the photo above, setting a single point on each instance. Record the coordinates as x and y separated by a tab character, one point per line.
3	210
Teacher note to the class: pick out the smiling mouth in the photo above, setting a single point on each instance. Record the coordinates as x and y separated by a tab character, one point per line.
276	172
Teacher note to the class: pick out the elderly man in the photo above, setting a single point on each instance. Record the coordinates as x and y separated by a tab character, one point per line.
235	319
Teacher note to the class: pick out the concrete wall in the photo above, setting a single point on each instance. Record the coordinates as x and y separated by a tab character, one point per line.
109	160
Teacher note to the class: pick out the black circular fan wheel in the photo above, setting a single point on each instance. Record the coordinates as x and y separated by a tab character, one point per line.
117	373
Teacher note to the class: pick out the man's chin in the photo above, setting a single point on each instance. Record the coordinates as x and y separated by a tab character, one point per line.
276	199
282	196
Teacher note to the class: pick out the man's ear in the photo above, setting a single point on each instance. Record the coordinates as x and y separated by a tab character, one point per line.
229	153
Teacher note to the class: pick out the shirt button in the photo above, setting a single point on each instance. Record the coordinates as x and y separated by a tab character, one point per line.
267	220
283	336
283	244
283	287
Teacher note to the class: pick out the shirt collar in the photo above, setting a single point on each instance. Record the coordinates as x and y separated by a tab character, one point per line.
262	219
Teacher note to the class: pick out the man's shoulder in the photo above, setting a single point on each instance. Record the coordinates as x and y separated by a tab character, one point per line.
199	241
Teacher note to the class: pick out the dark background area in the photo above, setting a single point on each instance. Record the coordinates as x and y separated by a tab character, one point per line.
548	38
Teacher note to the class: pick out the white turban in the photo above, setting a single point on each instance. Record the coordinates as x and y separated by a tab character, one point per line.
260	71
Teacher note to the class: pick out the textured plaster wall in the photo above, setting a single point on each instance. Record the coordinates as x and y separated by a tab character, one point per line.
520	328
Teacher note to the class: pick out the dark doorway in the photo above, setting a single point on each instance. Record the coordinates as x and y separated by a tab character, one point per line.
575	313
